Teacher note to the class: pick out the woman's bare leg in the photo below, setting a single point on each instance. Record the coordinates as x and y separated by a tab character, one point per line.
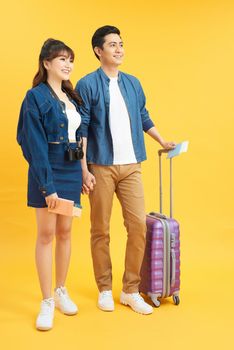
46	227
63	248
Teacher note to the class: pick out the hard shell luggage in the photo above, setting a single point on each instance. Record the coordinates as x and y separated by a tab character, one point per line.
160	271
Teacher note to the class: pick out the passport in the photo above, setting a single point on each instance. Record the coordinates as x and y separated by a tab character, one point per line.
66	207
180	148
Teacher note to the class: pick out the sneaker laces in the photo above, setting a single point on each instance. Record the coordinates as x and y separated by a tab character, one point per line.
137	297
62	292
106	293
46	306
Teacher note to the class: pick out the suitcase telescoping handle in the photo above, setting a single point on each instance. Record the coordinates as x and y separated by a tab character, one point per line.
160	182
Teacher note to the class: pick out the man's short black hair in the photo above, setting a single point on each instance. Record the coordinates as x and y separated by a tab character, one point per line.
98	37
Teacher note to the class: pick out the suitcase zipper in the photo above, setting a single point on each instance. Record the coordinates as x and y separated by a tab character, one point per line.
168	259
164	260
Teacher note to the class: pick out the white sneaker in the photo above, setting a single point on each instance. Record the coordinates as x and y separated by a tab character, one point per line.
105	301
136	302
45	318
63	302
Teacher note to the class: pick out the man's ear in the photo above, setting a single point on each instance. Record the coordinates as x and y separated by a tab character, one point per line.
98	51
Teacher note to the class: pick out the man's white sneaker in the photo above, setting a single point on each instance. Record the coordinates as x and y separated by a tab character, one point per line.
63	302
45	318
136	302
105	301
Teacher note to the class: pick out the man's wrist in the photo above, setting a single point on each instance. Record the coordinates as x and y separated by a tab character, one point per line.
161	142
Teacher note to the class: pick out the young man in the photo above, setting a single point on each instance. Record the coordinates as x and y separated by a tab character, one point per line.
114	118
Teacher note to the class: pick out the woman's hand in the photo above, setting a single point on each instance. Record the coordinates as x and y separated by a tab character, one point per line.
168	145
52	200
85	189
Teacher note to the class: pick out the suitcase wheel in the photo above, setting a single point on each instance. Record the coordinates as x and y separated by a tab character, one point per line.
176	299
155	301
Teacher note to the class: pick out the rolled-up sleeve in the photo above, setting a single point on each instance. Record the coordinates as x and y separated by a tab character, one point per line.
32	138
85	107
147	122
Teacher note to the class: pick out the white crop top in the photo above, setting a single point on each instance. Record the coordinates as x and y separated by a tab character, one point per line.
74	121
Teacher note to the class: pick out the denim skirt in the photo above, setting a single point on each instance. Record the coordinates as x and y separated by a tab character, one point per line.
67	177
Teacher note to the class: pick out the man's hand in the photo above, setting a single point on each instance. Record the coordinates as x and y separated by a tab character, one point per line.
168	145
88	182
52	200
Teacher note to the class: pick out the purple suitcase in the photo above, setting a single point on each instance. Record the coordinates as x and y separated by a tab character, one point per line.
160	271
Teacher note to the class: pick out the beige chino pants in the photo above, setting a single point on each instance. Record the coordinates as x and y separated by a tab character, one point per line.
125	181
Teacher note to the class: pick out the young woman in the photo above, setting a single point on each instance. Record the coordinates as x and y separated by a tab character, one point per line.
49	129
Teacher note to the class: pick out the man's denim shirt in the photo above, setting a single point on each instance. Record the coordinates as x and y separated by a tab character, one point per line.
94	91
42	119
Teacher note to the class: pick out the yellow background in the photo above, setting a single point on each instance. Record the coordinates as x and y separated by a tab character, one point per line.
183	53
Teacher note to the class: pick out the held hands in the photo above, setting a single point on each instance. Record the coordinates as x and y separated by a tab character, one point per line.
88	182
52	200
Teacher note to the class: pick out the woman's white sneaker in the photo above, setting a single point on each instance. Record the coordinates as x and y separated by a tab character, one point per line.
45	318
136	302
105	301
63	302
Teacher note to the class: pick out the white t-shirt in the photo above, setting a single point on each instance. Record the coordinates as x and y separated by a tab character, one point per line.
74	121
120	126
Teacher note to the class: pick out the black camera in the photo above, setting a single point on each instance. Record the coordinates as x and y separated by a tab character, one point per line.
76	153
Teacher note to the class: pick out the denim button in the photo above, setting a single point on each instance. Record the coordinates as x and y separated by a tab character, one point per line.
62	125
61	138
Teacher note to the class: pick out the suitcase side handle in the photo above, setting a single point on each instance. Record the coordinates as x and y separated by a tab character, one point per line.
157	215
173	259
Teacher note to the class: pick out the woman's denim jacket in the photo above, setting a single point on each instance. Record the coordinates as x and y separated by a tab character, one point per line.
42	119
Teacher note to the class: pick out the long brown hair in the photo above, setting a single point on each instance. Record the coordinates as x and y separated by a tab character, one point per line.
51	49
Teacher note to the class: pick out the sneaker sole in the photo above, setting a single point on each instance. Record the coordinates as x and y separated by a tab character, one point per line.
105	308
44	328
139	312
67	313
64	312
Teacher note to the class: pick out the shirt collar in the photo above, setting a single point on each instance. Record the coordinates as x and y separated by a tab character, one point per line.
44	88
105	77
48	91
